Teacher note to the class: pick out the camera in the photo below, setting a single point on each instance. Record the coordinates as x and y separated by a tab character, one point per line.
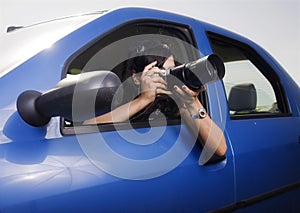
197	73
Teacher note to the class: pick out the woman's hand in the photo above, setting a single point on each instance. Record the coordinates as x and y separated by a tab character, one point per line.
189	98
151	81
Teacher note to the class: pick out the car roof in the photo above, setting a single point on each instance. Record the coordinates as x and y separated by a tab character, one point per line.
21	43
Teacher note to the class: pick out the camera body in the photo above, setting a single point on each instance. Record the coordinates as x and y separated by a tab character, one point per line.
197	73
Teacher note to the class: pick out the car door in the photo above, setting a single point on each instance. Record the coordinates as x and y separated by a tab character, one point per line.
145	166
263	127
159	157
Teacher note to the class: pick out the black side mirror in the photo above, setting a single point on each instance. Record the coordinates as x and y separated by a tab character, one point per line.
97	87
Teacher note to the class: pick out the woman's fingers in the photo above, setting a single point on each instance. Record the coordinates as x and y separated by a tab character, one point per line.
189	91
158	79
152	81
147	70
153	84
186	95
179	91
151	70
158	72
184	91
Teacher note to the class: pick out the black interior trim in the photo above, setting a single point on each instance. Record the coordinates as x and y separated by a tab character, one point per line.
80	129
260	115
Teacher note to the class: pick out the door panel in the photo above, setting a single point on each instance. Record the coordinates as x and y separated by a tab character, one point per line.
58	171
263	132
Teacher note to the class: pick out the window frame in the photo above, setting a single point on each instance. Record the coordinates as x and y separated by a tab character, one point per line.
186	34
263	67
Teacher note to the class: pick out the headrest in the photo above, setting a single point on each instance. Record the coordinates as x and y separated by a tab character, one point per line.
242	97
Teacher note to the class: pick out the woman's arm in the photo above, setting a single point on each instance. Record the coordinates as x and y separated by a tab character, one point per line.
150	81
122	113
206	129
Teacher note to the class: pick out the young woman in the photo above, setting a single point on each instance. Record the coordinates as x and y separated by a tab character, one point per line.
145	70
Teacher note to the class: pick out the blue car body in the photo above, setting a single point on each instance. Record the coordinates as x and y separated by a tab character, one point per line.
47	169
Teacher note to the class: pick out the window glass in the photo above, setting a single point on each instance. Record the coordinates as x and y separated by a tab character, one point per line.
243	72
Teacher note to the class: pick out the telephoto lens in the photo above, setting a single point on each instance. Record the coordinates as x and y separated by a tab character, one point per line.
197	73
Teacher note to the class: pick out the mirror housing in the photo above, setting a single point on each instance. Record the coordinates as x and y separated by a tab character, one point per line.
96	87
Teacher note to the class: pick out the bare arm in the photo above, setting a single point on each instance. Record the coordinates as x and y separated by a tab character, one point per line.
208	132
122	113
150	83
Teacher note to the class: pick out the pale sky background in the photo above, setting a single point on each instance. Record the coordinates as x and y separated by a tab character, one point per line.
273	24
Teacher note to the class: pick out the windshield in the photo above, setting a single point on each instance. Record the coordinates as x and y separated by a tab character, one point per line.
21	44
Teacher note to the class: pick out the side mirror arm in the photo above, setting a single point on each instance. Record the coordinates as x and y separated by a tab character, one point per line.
37	108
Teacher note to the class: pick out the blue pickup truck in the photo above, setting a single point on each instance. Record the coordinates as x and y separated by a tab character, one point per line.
52	162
